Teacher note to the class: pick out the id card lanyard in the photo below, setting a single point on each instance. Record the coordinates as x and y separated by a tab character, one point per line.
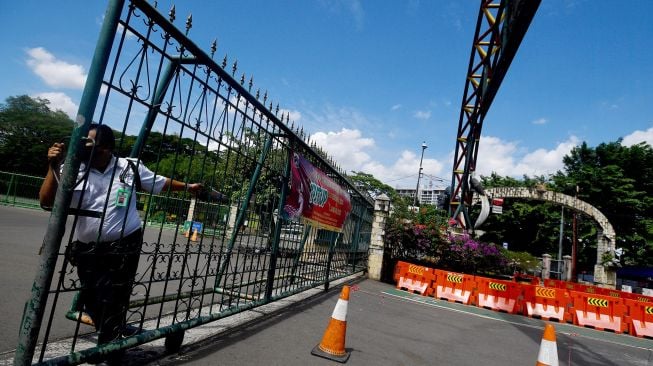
124	193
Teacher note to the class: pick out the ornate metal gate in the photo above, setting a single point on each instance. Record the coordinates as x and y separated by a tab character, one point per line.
202	258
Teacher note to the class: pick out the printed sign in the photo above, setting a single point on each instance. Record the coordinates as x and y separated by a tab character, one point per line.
315	197
497	205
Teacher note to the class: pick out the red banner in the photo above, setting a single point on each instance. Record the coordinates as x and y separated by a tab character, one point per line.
315	197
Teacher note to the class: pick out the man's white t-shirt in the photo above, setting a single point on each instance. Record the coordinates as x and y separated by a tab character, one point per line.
101	189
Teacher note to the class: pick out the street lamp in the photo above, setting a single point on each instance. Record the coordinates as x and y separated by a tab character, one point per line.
419	174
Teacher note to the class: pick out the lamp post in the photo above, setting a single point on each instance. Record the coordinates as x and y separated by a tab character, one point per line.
419	174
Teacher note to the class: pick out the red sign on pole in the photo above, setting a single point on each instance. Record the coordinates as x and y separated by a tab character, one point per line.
497	205
315	197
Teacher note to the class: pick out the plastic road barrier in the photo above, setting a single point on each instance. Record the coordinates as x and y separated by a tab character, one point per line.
454	287
598	311
546	302
640	318
499	295
414	278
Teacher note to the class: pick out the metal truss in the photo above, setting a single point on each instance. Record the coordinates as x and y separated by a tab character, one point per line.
500	28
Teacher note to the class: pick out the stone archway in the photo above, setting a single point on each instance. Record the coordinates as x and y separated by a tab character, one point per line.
606	276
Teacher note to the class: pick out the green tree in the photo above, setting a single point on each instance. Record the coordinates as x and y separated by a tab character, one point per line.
28	127
617	180
368	183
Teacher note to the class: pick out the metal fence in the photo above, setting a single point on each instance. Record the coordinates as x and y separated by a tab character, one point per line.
186	117
19	190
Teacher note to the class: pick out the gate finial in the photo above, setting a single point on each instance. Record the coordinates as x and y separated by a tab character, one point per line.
172	14
214	47
234	68
189	23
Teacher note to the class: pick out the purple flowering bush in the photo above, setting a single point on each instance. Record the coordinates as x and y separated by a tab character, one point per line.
422	238
410	241
468	255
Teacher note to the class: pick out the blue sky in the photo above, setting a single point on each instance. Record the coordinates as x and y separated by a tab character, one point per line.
370	80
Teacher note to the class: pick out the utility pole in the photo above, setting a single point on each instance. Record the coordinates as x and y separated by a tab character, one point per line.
419	174
562	228
574	245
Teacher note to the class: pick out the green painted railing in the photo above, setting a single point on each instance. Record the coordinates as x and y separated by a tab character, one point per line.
19	190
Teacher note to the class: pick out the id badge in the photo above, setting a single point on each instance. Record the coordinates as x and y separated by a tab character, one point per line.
122	196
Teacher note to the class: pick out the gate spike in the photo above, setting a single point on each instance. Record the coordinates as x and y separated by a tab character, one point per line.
265	97
276	110
224	62
189	23
156	3
172	14
270	107
242	79
258	93
251	82
214	47
234	68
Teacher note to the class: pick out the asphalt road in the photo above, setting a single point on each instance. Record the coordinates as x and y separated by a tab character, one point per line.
385	326
21	235
390	327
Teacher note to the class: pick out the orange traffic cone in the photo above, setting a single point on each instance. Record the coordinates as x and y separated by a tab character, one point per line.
194	237
187	233
548	355
333	341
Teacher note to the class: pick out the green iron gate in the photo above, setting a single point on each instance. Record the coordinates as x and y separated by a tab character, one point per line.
186	117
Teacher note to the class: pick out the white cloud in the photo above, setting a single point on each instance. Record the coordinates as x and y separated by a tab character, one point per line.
60	101
403	173
121	29
354	152
506	158
395	107
540	121
639	136
54	72
422	114
346	146
295	116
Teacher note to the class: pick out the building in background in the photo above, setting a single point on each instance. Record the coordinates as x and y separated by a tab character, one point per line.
427	196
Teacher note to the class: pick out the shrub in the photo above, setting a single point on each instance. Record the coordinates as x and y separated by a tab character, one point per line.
468	255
